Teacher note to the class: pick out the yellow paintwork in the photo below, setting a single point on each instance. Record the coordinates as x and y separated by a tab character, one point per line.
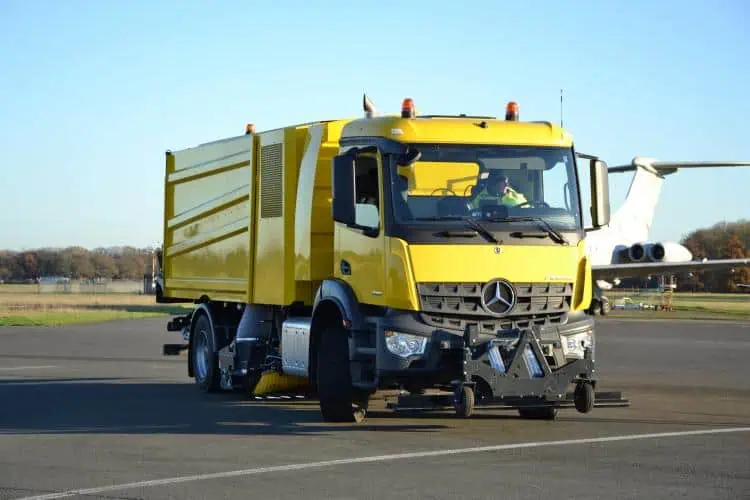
217	245
272	282
458	131
366	256
412	264
480	263
207	229
401	290
313	227
584	287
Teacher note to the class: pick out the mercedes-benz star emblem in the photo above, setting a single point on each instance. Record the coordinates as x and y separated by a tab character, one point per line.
498	297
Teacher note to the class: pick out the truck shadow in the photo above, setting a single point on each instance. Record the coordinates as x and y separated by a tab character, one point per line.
122	406
97	406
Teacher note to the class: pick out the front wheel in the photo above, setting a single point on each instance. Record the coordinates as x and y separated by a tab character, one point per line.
339	401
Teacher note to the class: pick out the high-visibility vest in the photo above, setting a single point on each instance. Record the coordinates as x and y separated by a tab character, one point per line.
511	198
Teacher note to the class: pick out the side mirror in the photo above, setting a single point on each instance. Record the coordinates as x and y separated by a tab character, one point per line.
599	193
407	158
343	189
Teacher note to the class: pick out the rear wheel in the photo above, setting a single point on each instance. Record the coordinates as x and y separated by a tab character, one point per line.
205	360
339	401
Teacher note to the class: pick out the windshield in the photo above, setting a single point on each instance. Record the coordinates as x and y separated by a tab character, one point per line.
492	183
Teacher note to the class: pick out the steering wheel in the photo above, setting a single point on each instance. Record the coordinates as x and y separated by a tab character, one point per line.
443	189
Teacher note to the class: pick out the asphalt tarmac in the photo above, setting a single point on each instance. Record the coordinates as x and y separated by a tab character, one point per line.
96	412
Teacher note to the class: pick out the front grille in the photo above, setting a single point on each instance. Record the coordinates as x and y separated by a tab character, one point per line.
454	305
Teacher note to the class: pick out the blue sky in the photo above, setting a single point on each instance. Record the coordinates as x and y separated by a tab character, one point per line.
93	93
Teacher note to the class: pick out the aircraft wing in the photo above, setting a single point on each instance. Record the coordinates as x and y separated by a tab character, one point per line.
610	272
664	168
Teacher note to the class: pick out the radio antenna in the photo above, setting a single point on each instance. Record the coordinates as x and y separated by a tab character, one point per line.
561	108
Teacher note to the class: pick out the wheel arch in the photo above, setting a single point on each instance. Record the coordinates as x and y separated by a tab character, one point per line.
335	304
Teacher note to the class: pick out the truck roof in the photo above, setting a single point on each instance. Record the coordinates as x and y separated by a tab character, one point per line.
458	129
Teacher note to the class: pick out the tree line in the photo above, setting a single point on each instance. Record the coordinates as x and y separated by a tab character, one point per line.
723	240
126	263
720	241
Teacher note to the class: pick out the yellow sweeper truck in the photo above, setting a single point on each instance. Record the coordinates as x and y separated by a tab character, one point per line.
439	258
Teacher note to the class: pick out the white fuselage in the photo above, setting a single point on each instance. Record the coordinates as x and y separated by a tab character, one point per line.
626	238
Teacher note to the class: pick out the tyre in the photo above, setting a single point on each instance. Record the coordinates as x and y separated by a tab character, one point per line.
205	360
465	402
538	413
339	401
583	397
605	307
595	308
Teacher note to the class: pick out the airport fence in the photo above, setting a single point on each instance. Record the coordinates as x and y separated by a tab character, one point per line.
83	287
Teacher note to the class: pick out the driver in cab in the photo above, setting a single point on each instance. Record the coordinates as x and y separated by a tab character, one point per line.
497	189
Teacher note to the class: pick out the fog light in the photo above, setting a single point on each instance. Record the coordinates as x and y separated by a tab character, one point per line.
404	344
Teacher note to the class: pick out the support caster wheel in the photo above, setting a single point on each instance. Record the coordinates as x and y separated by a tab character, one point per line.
583	397
464	402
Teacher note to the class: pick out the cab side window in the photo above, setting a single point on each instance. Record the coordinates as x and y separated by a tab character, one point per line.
367	192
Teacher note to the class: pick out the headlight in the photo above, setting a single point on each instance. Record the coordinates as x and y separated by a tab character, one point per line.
404	344
574	345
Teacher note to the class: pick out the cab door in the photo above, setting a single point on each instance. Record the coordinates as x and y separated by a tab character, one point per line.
359	255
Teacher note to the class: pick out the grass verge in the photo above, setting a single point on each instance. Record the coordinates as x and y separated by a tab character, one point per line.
69	317
687	306
33	309
684	315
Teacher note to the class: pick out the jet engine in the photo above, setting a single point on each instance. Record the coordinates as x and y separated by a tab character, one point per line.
636	252
655	252
663	252
669	252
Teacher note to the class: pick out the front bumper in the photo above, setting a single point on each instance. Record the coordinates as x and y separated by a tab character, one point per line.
442	362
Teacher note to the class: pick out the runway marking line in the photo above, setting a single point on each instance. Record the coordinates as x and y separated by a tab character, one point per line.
16	368
376	458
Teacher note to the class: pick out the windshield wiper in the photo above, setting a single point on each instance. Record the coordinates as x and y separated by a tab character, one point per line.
550	231
470	222
457	234
474	224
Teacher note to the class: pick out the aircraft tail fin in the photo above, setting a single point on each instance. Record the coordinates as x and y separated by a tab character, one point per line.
634	218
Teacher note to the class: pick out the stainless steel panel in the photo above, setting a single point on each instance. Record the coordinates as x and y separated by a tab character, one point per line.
295	346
